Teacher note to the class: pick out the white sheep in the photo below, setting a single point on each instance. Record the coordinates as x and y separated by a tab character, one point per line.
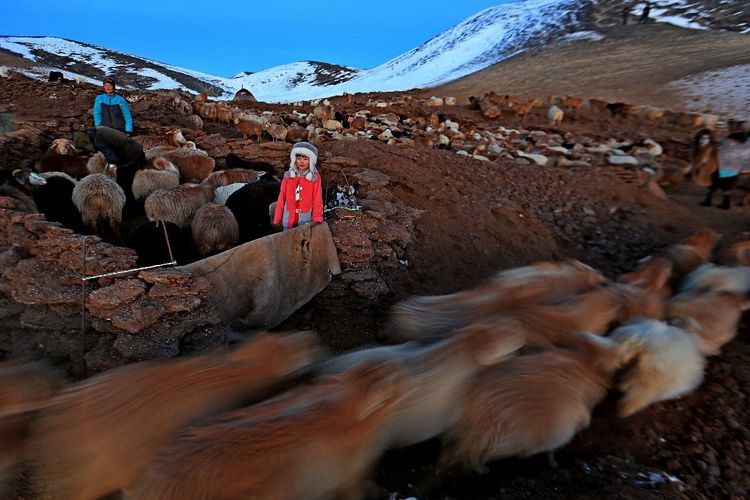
555	116
99	198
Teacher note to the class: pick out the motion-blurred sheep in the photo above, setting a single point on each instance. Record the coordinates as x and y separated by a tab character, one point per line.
431	317
435	380
532	404
322	446
691	252
24	389
714	315
669	364
712	278
100	434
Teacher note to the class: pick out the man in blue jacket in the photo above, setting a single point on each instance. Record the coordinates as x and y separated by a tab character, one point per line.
111	110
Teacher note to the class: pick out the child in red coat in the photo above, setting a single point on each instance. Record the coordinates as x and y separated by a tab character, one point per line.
301	196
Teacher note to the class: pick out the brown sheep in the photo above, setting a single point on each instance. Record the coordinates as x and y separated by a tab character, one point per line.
194	164
61	157
100	434
321	444
296	133
532	404
249	125
178	204
214	229
195	122
323	113
99	199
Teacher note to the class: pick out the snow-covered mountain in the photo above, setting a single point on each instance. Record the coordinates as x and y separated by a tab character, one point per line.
485	38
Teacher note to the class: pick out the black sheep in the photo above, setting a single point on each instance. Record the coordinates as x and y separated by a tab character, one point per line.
149	243
249	205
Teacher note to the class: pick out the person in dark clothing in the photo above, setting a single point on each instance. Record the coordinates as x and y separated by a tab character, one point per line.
111	110
120	150
626	14
644	15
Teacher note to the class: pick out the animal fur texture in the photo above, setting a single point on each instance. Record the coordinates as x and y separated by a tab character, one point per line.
100	434
214	229
314	445
436	377
431	317
532	404
714	315
668	364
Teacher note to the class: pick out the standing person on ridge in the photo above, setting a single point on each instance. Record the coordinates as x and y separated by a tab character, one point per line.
301	195
625	14
644	15
111	110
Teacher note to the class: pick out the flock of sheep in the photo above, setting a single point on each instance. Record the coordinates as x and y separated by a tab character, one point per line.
513	367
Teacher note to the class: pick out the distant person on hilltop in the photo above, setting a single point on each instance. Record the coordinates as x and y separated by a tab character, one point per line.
626	13
644	15
111	110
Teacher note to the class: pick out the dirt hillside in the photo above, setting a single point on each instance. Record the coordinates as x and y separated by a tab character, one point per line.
633	63
444	221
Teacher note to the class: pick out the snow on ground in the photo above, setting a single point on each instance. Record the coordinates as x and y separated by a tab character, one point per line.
725	92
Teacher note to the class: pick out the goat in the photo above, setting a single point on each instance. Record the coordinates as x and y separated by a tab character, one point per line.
57	76
651	275
99	435
669	364
62	157
99	198
435	378
318	445
214	229
178	204
720	165
532	404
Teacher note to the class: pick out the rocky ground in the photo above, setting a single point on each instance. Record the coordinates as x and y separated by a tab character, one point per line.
438	222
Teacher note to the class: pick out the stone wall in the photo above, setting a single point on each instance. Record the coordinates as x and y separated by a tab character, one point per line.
128	317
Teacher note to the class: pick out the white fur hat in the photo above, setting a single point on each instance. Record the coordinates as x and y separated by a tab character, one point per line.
304	149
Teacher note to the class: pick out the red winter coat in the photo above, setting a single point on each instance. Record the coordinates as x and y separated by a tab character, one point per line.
310	199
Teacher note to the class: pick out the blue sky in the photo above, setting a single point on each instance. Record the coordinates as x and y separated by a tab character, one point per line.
226	37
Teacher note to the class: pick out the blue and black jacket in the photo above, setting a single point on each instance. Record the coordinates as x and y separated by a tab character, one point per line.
113	111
